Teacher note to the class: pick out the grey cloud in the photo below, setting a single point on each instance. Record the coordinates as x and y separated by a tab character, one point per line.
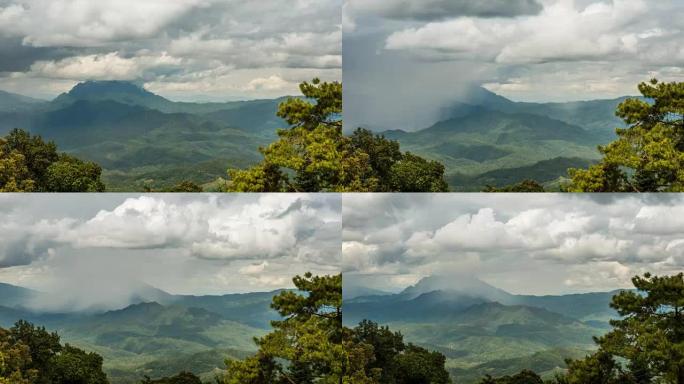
442	9
99	250
497	235
402	73
17	57
214	48
22	251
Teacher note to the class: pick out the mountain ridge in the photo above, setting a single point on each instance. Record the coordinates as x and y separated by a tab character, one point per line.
145	141
486	139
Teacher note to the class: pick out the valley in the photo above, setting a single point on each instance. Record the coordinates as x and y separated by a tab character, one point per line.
484	330
486	139
142	140
157	334
146	142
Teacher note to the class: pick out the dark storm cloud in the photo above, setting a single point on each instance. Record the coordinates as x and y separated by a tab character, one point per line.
17	57
405	61
97	249
22	251
185	49
428	10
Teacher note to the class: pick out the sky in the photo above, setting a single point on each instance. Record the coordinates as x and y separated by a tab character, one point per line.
549	244
98	249
405	60
192	50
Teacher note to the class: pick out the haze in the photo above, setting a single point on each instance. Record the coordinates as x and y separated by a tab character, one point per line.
99	250
405	61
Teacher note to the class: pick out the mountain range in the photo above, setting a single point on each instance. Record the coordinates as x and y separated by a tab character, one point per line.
142	139
483	330
486	139
156	334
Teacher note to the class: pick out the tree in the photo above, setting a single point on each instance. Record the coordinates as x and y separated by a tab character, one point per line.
37	154
15	361
29	164
32	355
14	173
310	345
417	365
392	361
313	155
524	377
648	156
646	344
185	186
306	346
41	345
76	366
523	186
181	378
414	174
69	174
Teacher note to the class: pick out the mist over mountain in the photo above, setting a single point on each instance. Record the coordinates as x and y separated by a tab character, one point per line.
485	139
155	333
144	140
482	329
11	102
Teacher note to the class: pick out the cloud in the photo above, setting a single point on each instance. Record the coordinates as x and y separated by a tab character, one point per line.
442	9
273	82
210	230
110	66
599	31
569	50
269	227
100	252
508	238
45	23
183	46
254	269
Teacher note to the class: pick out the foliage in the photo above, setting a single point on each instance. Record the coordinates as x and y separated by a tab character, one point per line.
646	344
185	186
73	365
15	361
389	361
304	347
29	164
524	377
69	174
523	186
414	174
648	156
31	355
313	155
181	378
649	336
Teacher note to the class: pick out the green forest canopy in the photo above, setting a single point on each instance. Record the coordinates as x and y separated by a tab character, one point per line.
29	164
645	346
310	345
313	155
648	156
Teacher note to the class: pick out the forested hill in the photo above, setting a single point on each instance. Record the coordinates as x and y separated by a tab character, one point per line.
157	334
486	139
482	329
142	139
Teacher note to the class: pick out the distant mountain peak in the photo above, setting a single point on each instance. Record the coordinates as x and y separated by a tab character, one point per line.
87	88
462	284
124	92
